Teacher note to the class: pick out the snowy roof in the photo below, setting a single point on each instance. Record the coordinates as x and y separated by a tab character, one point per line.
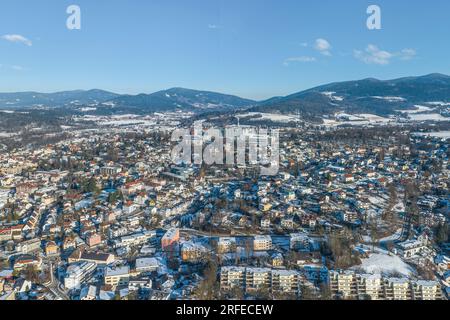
146	262
263	238
233	269
117	271
106	295
426	283
285	273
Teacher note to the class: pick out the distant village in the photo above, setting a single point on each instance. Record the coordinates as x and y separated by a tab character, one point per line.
106	215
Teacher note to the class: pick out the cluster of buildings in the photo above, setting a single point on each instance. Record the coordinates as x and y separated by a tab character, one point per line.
107	215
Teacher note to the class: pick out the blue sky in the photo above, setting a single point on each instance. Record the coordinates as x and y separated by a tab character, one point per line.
252	48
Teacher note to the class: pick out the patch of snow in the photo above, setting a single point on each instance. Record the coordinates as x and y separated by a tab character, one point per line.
428	117
88	109
392	237
440	134
418	110
332	96
439	103
270	116
390	99
385	264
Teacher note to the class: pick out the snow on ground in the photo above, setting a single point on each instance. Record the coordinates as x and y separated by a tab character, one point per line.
440	134
7	134
378	201
390	99
400	206
87	109
439	103
356	119
347	117
418	109
269	116
428	116
125	122
373	118
392	237
332	96
383	263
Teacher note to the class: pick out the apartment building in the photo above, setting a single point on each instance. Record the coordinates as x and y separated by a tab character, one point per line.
29	246
350	285
410	248
262	243
134	239
255	279
286	281
117	276
170	239
146	265
397	289
426	290
78	273
226	245
343	284
231	277
192	252
369	286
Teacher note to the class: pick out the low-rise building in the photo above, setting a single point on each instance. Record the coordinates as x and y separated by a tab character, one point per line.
117	276
262	243
78	273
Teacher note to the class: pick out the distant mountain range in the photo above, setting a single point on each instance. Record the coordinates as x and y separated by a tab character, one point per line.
363	96
33	99
182	99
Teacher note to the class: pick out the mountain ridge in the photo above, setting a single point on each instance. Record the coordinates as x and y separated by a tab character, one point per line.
367	95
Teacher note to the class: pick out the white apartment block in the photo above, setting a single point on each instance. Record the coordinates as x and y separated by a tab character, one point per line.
78	273
231	277
262	243
255	279
226	244
350	285
118	276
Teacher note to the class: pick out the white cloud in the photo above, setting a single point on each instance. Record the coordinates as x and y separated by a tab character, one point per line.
213	26
373	55
407	54
17	38
12	67
17	68
303	59
323	46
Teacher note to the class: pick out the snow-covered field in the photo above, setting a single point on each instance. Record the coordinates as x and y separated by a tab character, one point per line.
418	110
439	103
7	134
269	116
390	99
428	117
87	109
381	262
392	237
440	134
356	119
332	96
